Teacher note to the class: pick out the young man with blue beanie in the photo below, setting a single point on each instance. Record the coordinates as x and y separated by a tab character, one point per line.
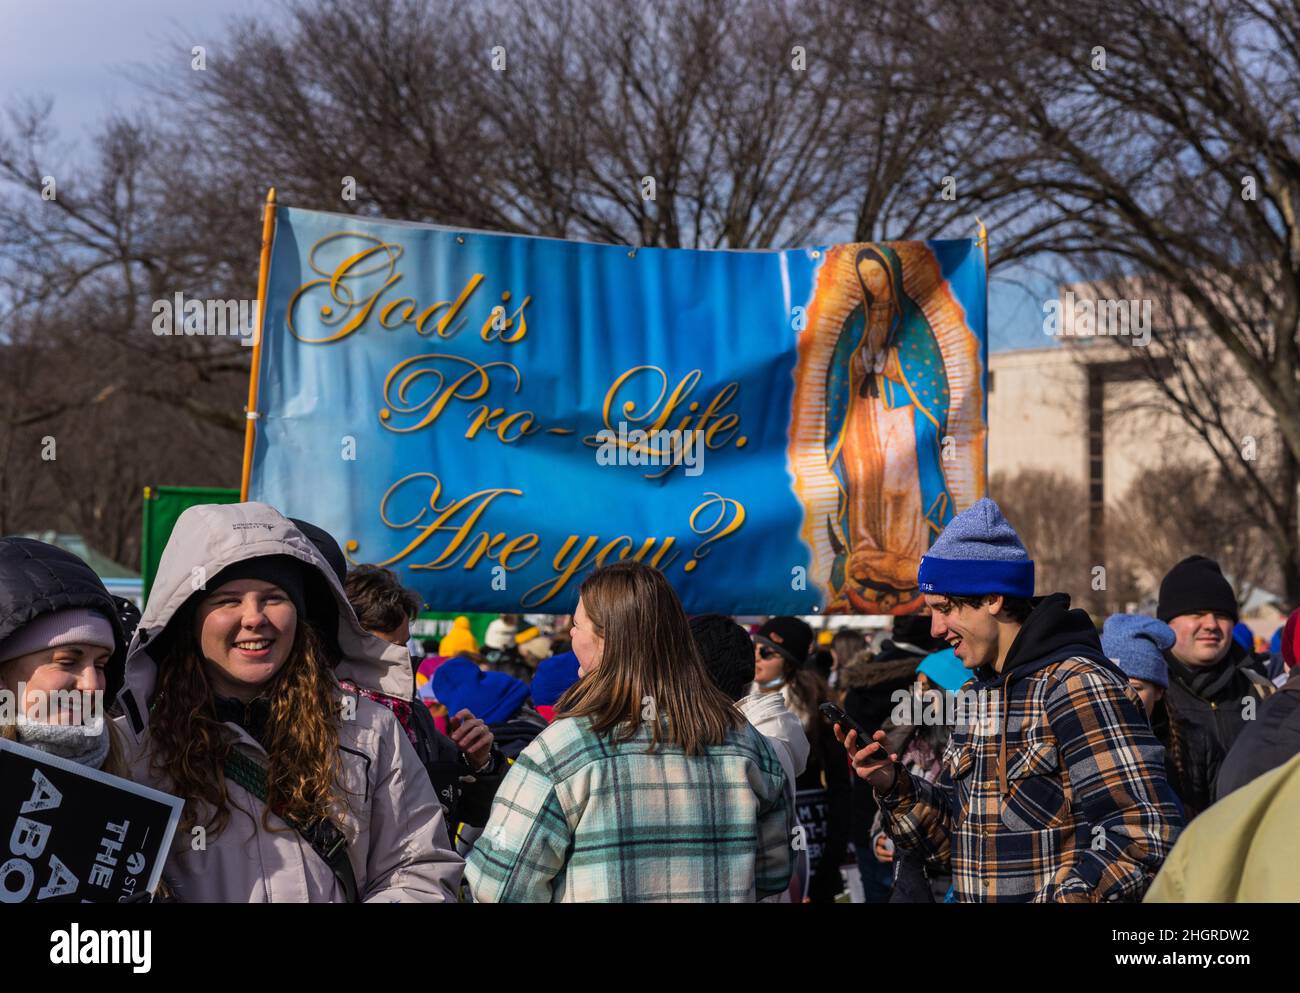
1053	787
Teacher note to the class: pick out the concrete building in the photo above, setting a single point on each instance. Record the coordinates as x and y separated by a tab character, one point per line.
1082	411
1087	408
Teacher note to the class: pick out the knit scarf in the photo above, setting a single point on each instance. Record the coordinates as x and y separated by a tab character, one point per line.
1203	681
69	741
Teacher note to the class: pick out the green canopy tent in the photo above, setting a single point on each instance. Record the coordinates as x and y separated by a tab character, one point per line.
162	505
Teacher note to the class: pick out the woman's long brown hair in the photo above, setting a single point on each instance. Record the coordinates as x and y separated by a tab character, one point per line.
649	665
189	744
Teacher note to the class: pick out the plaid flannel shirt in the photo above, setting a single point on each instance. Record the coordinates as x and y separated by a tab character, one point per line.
1077	809
581	818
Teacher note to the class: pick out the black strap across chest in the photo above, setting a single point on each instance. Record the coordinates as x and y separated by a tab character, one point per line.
324	836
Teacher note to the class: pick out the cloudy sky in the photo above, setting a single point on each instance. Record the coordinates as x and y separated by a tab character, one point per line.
82	52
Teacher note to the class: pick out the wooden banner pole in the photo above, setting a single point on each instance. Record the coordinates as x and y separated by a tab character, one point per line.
251	413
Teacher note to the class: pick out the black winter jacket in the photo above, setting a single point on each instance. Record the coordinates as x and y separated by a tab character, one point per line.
517	732
1192	761
466	796
1271	740
1213	698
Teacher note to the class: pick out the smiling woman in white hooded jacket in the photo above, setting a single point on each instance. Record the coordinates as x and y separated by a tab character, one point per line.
296	790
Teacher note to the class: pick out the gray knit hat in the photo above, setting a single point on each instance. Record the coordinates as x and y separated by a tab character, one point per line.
978	552
74	626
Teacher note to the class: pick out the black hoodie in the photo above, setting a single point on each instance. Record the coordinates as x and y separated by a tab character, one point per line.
1053	632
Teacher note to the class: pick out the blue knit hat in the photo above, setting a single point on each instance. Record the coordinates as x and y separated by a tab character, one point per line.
1136	643
978	552
945	670
492	697
1243	636
553	677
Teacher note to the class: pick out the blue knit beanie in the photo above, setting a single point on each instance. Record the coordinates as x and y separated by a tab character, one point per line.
553	677
492	697
1243	636
978	552
1136	643
945	670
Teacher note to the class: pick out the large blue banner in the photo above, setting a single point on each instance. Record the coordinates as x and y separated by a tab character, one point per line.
493	416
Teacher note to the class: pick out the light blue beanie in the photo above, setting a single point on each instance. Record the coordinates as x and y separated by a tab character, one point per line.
945	670
1136	643
978	552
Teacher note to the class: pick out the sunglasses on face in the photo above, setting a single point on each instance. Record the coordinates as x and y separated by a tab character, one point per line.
768	653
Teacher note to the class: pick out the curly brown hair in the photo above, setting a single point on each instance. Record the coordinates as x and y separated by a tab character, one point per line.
189	744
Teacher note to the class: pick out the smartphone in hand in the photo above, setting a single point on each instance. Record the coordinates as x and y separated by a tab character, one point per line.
836	715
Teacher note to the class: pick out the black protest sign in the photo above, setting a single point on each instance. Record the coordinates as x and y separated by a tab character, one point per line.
72	834
813	810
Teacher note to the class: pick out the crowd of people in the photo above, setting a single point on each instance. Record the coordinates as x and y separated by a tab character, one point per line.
996	747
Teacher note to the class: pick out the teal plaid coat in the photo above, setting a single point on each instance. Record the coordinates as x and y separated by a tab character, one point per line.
581	818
